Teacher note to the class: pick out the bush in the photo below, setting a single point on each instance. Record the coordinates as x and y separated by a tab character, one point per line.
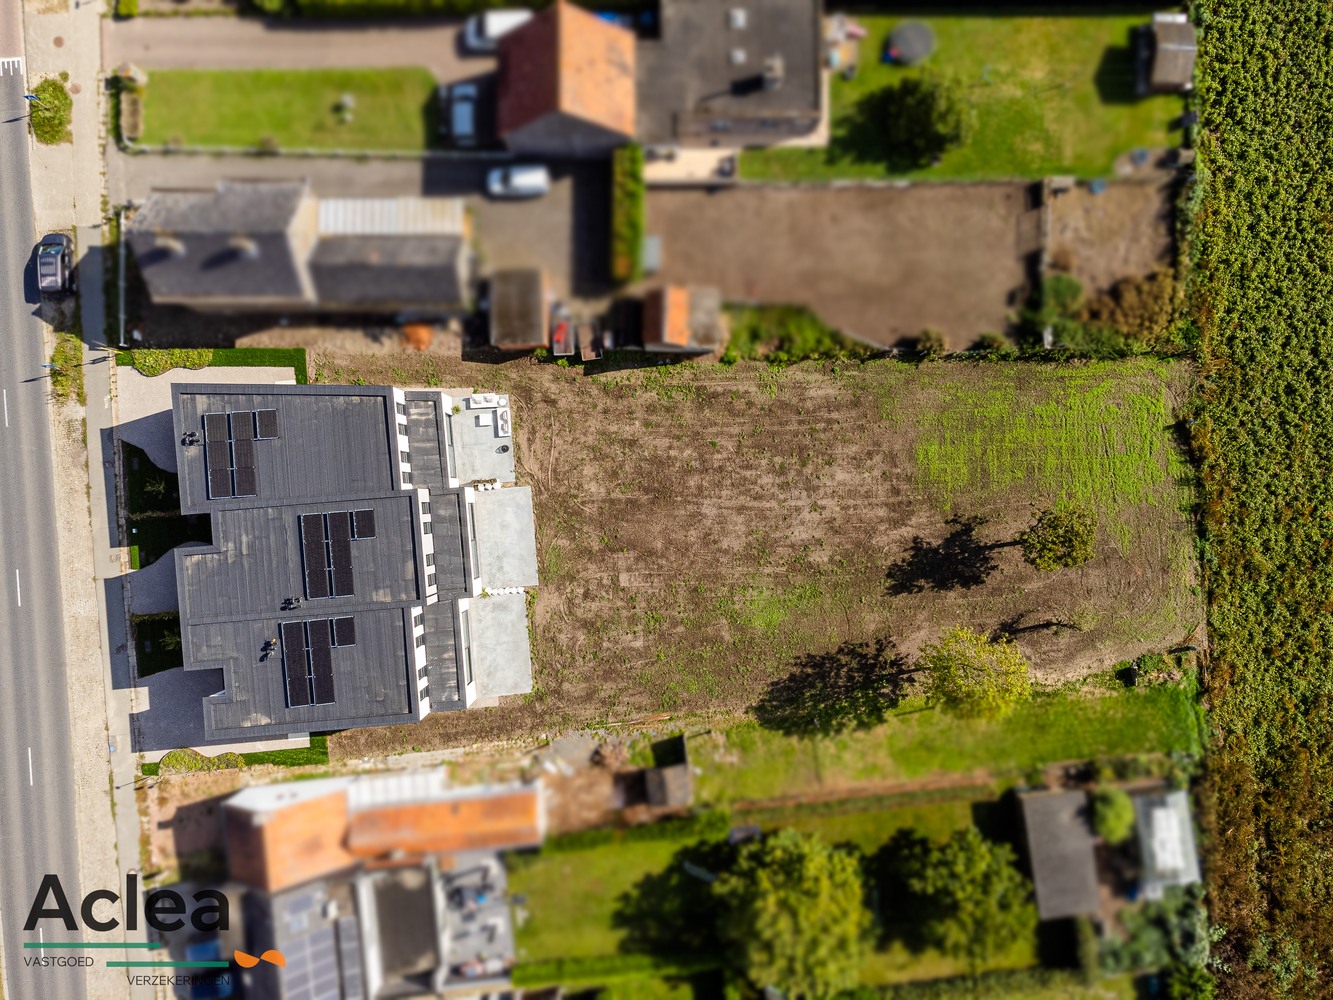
627	213
930	343
1113	815
1141	309
923	118
51	112
127	8
187	761
1061	538
1190	982
784	335
1089	950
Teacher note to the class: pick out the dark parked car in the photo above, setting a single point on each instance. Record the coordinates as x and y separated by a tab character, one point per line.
55	264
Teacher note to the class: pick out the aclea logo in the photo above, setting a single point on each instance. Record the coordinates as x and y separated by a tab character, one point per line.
163	909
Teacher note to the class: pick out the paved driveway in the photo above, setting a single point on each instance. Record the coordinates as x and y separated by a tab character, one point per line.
880	263
246	43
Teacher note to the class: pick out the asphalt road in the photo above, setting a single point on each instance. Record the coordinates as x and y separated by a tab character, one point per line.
38	828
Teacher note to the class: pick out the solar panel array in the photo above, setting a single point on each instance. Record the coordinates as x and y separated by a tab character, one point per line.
363	524
307	658
326	549
229	451
309	947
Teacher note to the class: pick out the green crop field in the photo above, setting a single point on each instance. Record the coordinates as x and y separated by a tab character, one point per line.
1050	95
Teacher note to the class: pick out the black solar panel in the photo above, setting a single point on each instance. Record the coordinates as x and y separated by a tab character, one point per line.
320	634
266	423
243	453
219	482
363	524
215	427
321	662
315	556
296	664
340	537
219	457
242	425
247	483
344	631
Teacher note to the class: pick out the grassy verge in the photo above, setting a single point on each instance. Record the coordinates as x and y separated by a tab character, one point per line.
152	362
290	109
752	763
1050	95
67	376
1263	298
317	753
627	213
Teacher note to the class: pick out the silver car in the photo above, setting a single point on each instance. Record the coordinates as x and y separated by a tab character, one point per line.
55	264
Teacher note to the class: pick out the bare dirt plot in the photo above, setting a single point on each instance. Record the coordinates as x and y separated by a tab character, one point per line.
880	263
704	531
1124	232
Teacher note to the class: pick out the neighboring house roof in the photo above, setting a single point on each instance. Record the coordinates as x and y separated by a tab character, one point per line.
1166	842
266	244
692	89
1060	850
236	242
283	835
346	548
1174	50
518	304
671	787
567	61
278	836
683	319
391	272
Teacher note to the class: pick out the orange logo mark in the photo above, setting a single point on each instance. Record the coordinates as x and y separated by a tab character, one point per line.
248	961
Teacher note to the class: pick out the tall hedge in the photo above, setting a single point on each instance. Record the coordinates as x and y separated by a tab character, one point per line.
627	213
1262	295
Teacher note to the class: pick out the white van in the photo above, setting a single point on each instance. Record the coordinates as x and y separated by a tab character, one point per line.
482	32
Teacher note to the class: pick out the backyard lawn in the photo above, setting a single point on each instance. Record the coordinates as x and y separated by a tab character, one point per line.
1048	95
295	109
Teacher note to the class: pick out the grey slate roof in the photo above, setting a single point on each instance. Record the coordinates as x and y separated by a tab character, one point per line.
689	89
391	272
1060	850
231	243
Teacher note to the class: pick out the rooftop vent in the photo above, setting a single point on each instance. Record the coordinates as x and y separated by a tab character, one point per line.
245	247
738	57
775	70
737	18
169	243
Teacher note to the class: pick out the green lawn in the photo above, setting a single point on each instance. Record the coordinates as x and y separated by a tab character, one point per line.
295	108
1050	95
752	763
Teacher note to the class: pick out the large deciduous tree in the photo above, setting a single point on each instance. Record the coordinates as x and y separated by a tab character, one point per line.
969	674
794	915
976	903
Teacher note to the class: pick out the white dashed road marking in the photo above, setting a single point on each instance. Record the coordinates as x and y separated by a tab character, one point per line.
11	66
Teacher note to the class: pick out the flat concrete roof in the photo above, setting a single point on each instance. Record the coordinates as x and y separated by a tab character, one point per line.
506	543
500	650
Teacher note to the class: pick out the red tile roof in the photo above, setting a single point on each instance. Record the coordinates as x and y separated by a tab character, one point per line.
566	60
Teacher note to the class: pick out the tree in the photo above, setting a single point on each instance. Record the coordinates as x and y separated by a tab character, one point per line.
923	118
795	917
971	675
976	903
1061	538
1113	815
1190	982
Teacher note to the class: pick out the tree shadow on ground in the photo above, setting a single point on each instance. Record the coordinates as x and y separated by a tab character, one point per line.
1012	626
860	136
902	914
672	913
851	687
959	561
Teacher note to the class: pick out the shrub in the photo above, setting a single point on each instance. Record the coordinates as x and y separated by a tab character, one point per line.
51	112
930	343
627	213
127	8
1190	982
186	761
1113	815
784	335
923	118
1141	309
993	342
1061	538
971	675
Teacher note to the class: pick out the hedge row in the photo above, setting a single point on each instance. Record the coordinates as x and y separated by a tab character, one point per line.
627	214
150	362
708	824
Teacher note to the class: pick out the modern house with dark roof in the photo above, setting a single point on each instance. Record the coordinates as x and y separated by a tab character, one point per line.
375	886
1060	854
743	73
274	246
367	567
566	86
